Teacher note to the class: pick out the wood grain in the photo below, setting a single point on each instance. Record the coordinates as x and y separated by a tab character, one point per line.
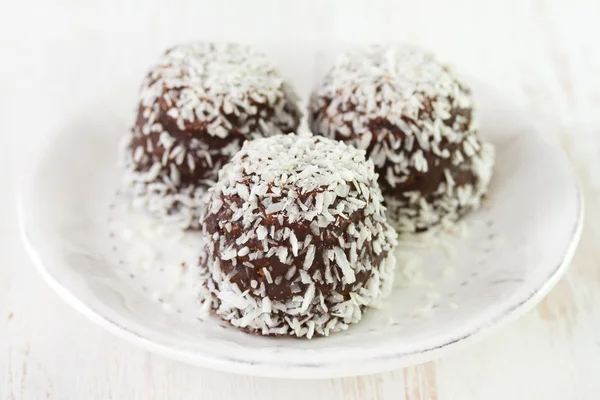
420	382
542	55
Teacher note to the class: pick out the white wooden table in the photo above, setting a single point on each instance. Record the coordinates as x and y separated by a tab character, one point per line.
543	55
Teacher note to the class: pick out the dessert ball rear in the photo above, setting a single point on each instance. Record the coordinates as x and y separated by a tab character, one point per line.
298	242
415	118
197	105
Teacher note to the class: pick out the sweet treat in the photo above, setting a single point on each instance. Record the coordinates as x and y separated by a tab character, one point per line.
197	105
298	242
415	119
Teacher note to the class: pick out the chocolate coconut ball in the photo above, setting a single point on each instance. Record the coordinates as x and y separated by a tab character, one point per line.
415	119
298	242
197	105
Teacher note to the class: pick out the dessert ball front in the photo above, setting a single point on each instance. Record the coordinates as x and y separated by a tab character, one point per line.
197	105
298	242
415	119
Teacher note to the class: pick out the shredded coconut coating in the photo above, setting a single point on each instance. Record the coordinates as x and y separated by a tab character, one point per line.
415	119
298	242
197	105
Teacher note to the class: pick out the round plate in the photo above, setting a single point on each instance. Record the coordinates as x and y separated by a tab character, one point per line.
134	277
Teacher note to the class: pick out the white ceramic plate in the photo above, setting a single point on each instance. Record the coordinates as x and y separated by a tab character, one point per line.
124	272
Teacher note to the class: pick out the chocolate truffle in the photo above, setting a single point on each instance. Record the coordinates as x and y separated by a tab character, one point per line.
197	105
298	242
415	119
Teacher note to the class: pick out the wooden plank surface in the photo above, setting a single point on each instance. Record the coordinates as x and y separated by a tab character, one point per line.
542	55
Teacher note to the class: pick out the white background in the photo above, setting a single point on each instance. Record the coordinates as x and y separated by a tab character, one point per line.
58	56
